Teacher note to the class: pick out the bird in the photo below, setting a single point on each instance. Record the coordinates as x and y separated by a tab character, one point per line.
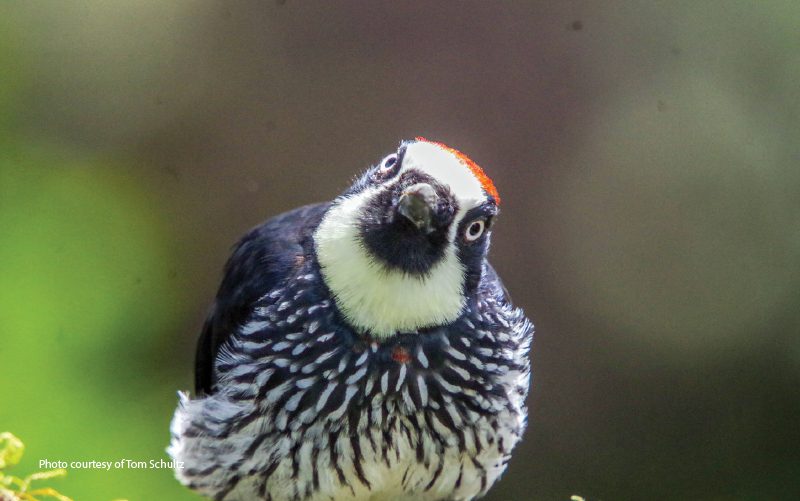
362	348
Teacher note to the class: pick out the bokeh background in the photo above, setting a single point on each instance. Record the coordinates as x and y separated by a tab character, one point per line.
647	153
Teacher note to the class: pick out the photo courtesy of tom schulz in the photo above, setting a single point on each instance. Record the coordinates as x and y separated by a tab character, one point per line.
108	465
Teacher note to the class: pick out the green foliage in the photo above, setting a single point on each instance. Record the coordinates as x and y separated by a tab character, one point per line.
19	489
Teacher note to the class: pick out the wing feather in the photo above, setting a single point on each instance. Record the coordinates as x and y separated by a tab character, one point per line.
261	261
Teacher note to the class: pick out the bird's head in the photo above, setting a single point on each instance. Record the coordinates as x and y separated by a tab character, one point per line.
405	246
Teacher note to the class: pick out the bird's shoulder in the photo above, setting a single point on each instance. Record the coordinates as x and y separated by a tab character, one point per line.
262	260
492	286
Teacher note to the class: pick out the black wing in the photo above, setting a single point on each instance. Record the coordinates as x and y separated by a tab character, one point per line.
260	261
492	283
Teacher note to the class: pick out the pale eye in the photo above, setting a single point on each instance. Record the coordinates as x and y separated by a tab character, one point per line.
475	230
388	166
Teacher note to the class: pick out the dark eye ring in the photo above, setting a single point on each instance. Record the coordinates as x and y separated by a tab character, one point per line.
475	230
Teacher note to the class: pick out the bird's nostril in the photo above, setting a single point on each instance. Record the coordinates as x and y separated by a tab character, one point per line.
423	189
423	192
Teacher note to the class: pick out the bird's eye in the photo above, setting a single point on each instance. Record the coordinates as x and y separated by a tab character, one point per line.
475	230
388	166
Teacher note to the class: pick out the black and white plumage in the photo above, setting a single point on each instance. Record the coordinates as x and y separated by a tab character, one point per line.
362	349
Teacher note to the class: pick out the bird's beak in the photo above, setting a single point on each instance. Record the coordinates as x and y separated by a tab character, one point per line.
417	204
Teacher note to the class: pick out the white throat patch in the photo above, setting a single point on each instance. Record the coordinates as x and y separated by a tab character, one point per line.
385	301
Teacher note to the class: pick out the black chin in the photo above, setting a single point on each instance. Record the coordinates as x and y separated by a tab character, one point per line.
395	240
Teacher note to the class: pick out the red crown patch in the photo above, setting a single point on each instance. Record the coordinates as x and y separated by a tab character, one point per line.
486	181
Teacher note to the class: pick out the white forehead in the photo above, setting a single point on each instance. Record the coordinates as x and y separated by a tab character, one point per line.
447	168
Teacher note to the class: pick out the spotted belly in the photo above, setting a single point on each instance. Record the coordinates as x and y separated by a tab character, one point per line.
399	458
305	408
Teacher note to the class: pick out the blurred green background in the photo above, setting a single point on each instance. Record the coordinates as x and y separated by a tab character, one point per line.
648	156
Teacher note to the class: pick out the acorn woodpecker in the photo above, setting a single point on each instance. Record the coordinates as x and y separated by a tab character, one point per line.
362	348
